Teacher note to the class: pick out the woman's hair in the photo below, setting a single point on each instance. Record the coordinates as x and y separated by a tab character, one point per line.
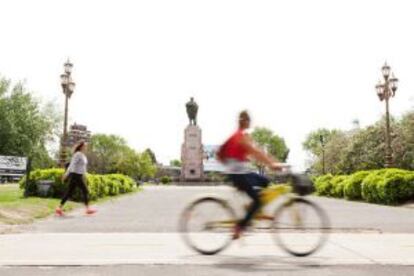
79	146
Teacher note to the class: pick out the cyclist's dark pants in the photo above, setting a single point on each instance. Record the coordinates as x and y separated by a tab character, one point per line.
76	180
250	183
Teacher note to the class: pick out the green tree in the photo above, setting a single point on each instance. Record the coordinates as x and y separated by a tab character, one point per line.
175	163
334	143
111	154
313	144
25	125
147	167
362	148
365	150
271	143
335	149
105	152
403	142
136	165
152	155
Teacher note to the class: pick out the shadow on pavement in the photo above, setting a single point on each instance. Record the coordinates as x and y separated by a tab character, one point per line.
267	263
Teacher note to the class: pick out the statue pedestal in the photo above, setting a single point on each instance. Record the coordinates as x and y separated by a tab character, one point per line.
192	154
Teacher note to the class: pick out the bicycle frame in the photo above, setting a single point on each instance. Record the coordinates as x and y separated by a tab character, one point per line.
267	196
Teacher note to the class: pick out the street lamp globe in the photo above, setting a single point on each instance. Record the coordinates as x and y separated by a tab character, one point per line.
64	79
71	86
393	84
68	67
380	90
386	70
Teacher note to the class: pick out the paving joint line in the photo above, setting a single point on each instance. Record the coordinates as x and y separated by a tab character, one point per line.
357	253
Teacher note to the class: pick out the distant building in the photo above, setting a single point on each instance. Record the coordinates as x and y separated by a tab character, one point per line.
356	124
171	171
211	164
78	133
12	168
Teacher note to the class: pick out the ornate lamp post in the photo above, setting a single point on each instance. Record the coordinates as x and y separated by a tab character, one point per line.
321	139
68	87
385	91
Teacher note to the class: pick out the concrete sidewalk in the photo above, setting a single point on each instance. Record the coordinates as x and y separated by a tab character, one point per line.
168	249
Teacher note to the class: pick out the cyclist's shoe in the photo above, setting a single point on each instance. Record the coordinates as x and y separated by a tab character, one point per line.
59	212
90	211
237	232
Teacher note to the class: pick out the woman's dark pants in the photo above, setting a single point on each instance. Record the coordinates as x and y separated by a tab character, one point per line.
76	180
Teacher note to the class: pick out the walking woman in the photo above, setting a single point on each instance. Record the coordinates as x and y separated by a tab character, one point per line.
76	174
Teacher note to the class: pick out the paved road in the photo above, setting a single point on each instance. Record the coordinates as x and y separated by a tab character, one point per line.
368	240
157	209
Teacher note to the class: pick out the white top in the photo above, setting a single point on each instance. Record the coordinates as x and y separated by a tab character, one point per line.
234	166
78	164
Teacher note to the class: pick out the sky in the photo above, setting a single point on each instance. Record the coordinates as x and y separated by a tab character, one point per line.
295	65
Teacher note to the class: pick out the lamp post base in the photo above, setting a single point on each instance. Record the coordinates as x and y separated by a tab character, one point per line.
62	158
388	161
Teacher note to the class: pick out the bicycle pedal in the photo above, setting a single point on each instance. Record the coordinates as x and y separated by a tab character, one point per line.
263	216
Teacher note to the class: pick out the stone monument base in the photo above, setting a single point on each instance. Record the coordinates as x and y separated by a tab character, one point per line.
192	155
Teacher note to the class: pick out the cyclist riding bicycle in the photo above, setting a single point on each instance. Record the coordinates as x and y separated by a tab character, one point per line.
235	154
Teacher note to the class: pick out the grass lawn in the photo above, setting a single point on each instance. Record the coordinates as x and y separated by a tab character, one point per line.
15	209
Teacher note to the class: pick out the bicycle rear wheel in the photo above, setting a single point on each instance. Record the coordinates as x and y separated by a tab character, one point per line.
206	225
300	227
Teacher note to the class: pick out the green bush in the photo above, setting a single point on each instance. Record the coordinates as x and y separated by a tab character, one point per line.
397	187
385	186
54	175
323	185
369	191
388	186
99	185
352	189
166	179
338	184
329	185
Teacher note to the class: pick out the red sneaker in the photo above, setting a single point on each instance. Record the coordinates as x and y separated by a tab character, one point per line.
59	212
91	211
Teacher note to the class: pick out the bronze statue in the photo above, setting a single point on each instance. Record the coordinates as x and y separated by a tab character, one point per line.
192	109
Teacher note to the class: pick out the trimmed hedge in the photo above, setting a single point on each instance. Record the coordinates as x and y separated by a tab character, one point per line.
385	186
369	187
323	185
99	185
352	189
329	185
166	179
338	185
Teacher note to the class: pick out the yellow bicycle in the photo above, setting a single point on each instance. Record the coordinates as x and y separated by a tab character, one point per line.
299	226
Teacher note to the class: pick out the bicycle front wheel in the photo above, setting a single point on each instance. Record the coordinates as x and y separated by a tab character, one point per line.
206	225
300	227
